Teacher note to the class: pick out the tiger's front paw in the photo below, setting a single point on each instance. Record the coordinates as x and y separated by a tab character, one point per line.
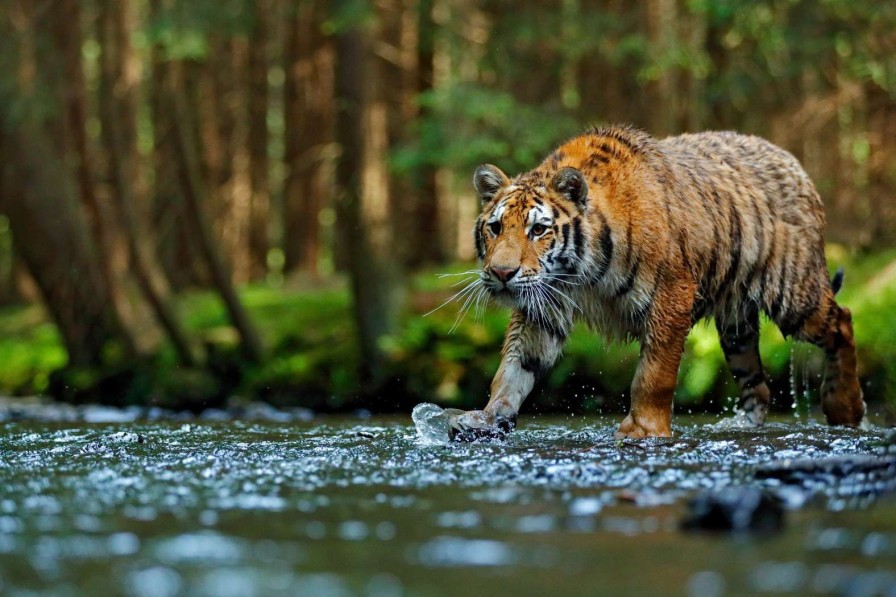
479	426
643	426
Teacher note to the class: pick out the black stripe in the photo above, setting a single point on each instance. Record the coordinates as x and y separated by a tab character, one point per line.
778	302
710	273
608	149
578	238
682	247
564	230
628	244
736	233
551	327
792	322
763	270
480	243
596	159
563	210
605	240
533	365
759	233
629	282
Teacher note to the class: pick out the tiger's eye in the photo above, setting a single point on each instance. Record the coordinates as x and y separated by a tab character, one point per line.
495	227
538	229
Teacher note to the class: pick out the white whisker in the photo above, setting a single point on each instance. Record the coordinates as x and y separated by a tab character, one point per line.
462	312
466	273
457	295
565	296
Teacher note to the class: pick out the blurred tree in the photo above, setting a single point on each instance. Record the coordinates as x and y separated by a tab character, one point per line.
63	73
308	127
118	101
46	222
259	50
39	199
192	187
178	254
364	218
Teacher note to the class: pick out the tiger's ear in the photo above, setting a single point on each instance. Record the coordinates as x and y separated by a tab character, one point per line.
570	183
488	180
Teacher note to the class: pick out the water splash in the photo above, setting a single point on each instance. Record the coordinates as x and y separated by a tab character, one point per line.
739	420
432	423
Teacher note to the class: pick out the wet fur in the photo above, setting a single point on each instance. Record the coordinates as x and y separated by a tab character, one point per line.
645	237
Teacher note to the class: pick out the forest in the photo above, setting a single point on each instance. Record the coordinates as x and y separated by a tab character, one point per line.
203	199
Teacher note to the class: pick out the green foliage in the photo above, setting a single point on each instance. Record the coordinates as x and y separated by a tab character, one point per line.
315	362
472	124
30	349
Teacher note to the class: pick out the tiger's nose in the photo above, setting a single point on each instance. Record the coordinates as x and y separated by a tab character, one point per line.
504	273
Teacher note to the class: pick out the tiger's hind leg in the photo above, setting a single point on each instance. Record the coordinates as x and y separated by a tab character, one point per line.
740	343
830	328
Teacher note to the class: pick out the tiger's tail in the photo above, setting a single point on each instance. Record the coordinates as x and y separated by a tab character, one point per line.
837	281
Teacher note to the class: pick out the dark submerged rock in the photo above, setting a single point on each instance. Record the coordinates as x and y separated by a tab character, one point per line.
735	509
811	471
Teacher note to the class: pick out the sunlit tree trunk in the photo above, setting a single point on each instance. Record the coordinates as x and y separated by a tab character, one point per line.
308	124
427	220
362	199
260	200
882	167
661	23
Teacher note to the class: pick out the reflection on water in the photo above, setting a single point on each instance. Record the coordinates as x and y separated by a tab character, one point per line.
342	507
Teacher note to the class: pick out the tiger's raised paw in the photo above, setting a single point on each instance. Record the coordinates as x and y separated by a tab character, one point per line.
479	426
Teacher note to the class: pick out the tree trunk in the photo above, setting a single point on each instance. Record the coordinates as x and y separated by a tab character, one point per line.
47	223
427	221
120	78
661	24
375	279
193	190
308	124
881	167
63	70
178	256
259	202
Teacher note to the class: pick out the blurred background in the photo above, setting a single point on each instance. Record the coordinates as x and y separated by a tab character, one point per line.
204	199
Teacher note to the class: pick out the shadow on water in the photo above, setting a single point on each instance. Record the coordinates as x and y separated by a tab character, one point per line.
339	506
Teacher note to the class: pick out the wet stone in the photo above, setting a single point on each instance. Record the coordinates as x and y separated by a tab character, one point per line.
860	472
737	509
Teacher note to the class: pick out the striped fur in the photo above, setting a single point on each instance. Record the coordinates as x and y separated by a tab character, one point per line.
639	238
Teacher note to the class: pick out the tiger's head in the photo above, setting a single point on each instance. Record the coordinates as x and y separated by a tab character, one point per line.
530	235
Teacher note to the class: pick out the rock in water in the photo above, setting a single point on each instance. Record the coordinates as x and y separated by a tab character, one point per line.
738	509
432	422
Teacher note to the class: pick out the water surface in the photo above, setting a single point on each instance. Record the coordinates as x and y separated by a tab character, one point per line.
342	506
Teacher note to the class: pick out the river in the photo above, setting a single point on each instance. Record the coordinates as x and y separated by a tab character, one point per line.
349	506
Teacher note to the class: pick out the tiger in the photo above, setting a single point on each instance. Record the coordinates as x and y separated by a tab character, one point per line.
640	238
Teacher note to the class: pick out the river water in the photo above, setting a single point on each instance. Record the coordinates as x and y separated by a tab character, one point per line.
348	506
